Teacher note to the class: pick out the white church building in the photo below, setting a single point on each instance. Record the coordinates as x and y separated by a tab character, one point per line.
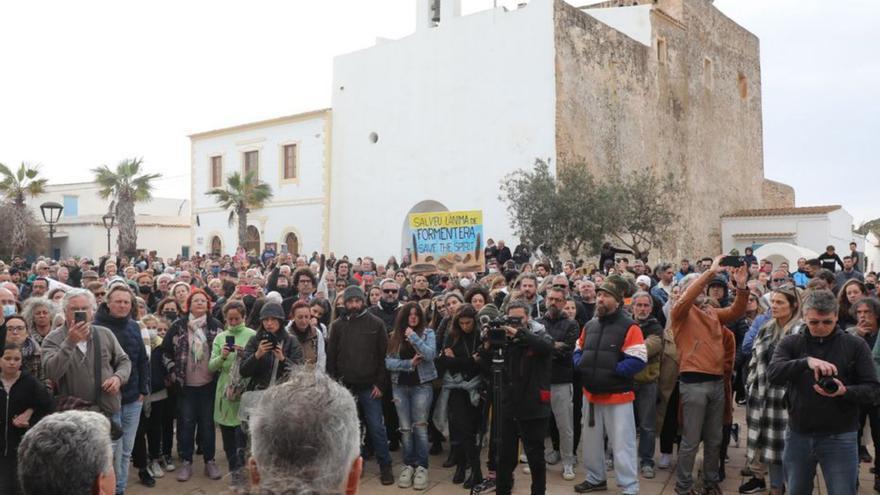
434	121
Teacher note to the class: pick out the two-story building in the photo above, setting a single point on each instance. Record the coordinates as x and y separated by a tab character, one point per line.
292	155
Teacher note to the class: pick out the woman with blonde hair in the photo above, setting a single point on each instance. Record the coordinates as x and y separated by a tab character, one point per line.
767	416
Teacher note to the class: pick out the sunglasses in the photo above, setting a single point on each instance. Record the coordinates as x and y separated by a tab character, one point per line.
390	291
559	286
778	279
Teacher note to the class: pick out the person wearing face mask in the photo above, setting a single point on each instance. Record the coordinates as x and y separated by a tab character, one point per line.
7	299
147	455
223	355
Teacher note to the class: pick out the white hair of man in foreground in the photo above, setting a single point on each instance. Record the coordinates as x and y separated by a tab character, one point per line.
68	452
305	437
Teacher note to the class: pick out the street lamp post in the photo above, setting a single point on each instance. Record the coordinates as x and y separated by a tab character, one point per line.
51	214
108	220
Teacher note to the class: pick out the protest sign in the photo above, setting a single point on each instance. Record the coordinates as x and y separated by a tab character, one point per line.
448	241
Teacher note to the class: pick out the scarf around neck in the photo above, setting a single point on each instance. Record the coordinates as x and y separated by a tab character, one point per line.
197	339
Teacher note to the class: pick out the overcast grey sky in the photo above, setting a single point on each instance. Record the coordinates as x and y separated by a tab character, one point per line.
92	82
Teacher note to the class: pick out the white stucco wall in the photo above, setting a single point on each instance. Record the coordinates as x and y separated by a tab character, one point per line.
297	206
163	223
872	251
633	21
476	93
813	232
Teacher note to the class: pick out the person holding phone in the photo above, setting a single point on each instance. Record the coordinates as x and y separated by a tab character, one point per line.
227	346
271	344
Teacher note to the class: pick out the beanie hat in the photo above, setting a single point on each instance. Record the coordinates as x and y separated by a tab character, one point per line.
272	310
488	310
718	281
615	286
644	279
353	291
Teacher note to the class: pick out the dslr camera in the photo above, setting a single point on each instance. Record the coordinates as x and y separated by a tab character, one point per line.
828	384
493	331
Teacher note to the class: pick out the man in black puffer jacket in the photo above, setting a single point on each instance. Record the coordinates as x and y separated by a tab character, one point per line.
564	333
115	315
609	352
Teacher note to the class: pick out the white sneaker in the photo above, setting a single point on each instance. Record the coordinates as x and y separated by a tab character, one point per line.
568	472
420	480
155	469
552	457
665	461
526	469
406	477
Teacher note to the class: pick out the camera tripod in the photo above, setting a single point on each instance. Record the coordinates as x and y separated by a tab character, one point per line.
497	370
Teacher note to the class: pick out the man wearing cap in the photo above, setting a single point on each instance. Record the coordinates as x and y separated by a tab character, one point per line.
609	352
705	352
356	358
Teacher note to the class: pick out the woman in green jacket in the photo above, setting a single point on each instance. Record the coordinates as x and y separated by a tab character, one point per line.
223	356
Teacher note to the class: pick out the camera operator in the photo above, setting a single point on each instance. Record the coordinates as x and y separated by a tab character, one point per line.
827	374
525	401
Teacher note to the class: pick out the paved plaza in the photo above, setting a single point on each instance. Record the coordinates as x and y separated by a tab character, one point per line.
441	479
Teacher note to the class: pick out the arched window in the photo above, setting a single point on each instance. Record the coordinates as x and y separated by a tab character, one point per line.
216	246
426	206
292	243
252	240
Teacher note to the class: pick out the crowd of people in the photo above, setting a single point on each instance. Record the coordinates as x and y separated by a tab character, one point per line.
601	358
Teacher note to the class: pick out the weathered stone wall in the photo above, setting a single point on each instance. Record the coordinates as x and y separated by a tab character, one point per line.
696	114
777	194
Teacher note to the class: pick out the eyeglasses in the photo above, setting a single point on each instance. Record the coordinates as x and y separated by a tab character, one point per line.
390	291
560	286
778	279
16	328
100	293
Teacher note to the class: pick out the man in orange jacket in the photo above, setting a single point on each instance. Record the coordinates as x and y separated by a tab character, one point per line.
698	329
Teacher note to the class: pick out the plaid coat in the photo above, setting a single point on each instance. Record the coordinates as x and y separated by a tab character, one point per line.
766	416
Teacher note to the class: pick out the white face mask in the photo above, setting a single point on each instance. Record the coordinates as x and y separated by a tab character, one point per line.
153	333
9	309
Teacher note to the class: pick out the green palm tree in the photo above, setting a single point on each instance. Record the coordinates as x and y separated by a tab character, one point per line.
240	196
16	187
127	186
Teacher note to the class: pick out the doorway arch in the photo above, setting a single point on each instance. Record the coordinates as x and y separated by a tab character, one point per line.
428	205
291	241
252	240
216	246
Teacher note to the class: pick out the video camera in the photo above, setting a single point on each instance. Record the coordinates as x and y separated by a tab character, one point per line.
493	331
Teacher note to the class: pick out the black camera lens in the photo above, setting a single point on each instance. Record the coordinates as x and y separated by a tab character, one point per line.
828	384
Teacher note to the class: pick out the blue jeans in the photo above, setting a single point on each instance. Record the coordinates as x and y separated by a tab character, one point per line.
372	409
196	410
837	454
412	403
129	417
646	410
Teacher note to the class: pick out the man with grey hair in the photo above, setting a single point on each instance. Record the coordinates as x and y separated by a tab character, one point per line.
69	356
388	306
827	374
68	452
305	437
